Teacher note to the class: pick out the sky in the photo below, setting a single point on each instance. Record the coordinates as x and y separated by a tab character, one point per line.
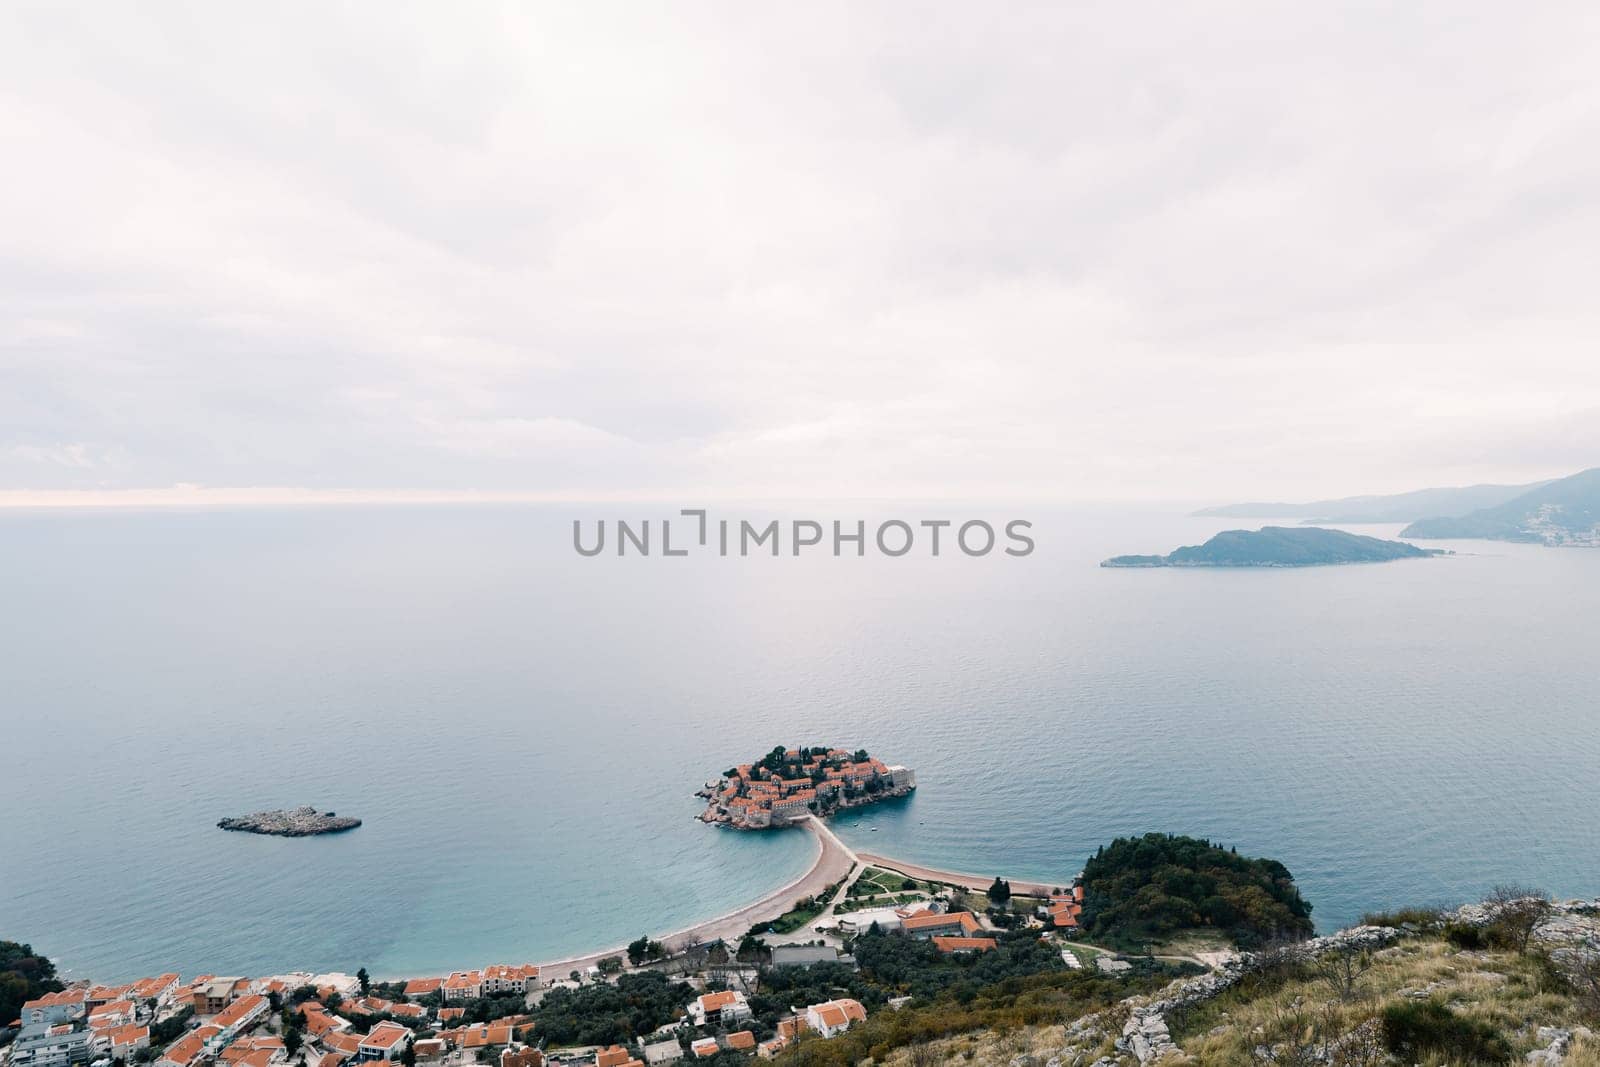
726	250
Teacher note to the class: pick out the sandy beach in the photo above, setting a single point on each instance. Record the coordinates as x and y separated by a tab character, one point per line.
834	861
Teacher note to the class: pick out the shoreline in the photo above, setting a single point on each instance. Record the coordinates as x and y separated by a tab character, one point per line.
834	861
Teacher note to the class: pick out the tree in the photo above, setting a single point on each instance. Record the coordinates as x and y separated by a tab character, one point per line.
1516	912
24	974
610	965
365	980
292	1041
408	1055
1000	891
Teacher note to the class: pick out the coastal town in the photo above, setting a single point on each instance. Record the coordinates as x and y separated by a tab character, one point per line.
787	785
792	979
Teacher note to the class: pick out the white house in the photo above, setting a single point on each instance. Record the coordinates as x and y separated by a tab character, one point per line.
834	1017
719	1009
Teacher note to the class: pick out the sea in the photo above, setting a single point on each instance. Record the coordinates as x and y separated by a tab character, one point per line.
522	728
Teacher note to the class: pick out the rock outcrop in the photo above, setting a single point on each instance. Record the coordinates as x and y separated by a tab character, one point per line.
299	822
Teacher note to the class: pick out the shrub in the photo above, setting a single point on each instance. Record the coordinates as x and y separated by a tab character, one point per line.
1463	935
1422	918
1415	1030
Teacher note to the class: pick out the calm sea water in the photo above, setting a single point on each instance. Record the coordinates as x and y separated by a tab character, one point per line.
522	729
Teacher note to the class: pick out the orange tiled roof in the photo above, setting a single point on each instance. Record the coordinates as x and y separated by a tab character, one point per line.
420	987
145	988
743	1039
718	1001
965	944
234	1013
127	1035
56	1000
385	1036
931	921
187	1048
341	1042
614	1056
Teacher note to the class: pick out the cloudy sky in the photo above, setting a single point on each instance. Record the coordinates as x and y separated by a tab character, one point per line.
1081	252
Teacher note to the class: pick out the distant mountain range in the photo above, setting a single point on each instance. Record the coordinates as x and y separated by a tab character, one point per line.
1400	507
1279	546
1562	512
1565	511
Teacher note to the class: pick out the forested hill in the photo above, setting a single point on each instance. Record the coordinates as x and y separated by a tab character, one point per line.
1147	888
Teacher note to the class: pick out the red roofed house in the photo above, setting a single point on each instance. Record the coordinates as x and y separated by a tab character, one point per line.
111	1014
346	1045
615	1056
957	924
160	987
834	1017
53	1007
385	1042
123	1041
463	985
236	1018
704	1048
965	944
740	1041
421	987
105	994
188	1048
719	1009
500	978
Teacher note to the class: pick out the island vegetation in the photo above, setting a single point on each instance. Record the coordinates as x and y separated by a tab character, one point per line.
787	785
1280	546
1143	890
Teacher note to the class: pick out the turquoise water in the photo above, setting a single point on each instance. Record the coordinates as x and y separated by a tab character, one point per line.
522	729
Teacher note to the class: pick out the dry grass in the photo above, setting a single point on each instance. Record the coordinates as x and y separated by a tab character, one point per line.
1513	994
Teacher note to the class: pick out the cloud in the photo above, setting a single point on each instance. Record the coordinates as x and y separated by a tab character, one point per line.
1097	251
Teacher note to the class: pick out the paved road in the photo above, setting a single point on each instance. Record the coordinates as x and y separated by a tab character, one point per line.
979	882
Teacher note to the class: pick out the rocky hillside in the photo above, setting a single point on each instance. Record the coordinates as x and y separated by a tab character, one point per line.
1513	981
1564	512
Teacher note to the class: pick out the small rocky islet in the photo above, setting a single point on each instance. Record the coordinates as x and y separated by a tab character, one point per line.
304	821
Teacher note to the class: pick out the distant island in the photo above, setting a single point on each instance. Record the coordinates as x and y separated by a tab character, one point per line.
1280	546
789	784
1560	513
299	822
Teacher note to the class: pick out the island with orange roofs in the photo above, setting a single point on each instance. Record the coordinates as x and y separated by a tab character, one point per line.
788	785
